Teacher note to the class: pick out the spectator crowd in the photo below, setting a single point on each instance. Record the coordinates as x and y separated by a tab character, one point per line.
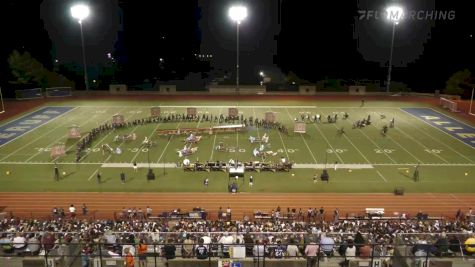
137	236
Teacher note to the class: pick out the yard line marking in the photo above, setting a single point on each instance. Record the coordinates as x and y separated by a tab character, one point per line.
435	139
324	137
283	144
357	149
455	119
418	142
140	165
39	137
24	115
303	139
64	135
325	166
382	177
212	149
250	106
102	139
92	175
149	137
257	128
254	117
123	141
438	128
310	165
204	106
169	140
371	140
214	140
77	141
55	141
397	143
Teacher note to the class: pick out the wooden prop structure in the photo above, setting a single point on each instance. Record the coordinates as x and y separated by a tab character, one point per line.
73	132
215	129
269	116
155	112
233	112
118	119
191	112
58	150
299	127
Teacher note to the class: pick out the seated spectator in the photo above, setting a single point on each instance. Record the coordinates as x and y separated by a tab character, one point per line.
33	245
279	250
19	243
326	244
365	251
187	249
258	251
421	249
292	249
349	253
454	244
225	242
6	243
249	243
169	250
110	238
441	245
214	247
201	250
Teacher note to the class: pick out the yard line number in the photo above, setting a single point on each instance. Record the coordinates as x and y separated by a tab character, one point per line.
433	151
384	150
337	150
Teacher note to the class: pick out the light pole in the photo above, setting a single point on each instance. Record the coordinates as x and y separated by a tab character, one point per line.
394	14
80	12
237	14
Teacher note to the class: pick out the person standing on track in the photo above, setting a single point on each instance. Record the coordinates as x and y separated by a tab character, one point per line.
56	172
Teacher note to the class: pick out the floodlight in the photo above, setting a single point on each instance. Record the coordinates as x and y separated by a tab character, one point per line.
238	13
80	12
394	14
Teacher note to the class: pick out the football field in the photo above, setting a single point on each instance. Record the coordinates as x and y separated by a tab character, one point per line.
362	159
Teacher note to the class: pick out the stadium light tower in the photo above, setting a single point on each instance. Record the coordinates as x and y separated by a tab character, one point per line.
81	12
237	14
394	14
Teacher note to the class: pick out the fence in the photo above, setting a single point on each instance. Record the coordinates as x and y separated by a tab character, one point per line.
256	249
36	93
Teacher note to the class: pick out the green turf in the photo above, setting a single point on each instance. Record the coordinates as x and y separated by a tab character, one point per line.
444	160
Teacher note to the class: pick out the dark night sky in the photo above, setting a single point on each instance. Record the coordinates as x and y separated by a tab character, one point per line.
315	39
100	30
